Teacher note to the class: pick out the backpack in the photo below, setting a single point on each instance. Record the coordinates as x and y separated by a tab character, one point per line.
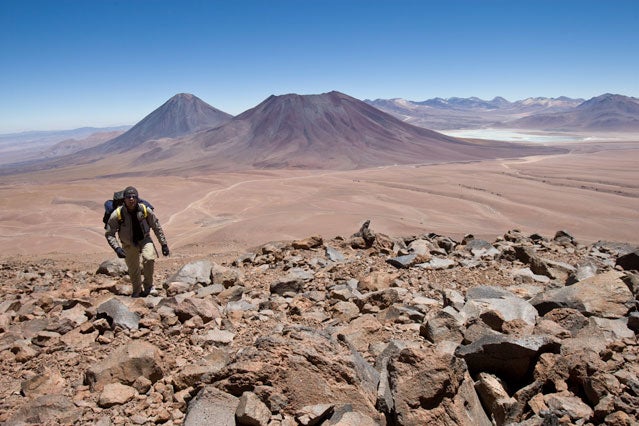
118	201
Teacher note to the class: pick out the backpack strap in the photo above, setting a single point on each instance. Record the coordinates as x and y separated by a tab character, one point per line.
144	210
118	212
140	206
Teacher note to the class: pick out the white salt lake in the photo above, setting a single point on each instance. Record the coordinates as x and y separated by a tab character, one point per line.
516	136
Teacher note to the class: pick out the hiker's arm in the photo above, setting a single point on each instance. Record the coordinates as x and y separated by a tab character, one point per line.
154	223
112	227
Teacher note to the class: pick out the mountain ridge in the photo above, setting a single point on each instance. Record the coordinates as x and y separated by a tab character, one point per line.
607	112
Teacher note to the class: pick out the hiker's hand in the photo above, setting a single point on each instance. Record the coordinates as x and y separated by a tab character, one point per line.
120	252
165	250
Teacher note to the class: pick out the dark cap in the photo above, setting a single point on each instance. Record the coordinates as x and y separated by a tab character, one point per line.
130	191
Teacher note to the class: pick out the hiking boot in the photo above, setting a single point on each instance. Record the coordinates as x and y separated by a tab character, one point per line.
149	291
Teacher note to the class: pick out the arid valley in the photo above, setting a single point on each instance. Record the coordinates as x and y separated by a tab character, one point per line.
591	192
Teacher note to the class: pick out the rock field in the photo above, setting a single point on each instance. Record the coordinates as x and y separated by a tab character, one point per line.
359	330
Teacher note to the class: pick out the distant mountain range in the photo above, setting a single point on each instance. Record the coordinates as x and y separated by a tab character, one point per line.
327	131
607	112
25	146
613	113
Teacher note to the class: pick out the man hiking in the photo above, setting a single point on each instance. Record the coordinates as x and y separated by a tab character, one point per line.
133	222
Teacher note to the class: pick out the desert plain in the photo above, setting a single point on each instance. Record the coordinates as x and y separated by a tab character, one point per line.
592	192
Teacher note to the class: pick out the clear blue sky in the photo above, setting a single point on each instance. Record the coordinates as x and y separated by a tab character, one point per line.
73	63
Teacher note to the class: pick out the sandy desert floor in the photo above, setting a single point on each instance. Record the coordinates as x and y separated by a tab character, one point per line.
593	193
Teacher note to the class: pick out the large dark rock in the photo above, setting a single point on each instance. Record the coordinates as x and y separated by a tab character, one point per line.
508	357
118	314
125	365
629	261
432	388
605	295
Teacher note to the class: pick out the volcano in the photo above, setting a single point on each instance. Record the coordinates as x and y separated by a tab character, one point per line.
336	131
181	115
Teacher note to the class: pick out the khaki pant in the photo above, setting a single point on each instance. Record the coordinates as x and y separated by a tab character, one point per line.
147	251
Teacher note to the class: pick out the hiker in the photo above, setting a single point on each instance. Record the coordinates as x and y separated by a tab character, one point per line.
133	222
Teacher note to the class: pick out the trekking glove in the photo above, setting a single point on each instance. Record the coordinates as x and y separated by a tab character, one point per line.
120	252
165	250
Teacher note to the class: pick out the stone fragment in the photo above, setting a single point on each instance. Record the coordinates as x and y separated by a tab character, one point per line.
406	261
376	281
113	268
216	336
604	295
292	283
46	409
629	261
251	411
437	263
211	406
494	396
192	374
205	308
227	277
564	404
446	324
125	365
350	418
118	314
115	394
198	272
433	388
308	243
47	382
312	415
510	358
583	271
365	234
496	306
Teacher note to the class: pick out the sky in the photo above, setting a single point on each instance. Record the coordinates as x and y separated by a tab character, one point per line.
66	64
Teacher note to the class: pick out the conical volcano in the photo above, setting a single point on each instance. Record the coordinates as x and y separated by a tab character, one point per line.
181	115
333	130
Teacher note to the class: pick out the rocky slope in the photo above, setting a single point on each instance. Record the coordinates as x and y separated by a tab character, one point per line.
360	330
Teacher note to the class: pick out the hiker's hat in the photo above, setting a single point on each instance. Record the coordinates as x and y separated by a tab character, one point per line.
130	191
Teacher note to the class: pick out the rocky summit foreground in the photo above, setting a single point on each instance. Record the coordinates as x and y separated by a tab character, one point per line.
362	330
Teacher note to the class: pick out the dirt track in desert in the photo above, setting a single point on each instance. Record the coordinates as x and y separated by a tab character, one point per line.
593	193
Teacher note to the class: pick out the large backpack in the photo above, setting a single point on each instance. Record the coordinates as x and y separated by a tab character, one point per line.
117	201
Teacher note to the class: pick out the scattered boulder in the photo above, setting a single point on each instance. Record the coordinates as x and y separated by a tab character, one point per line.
194	273
510	358
629	261
604	295
113	268
118	314
125	365
115	394
46	409
211	406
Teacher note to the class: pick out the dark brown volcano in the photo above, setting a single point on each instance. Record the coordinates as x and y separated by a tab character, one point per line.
336	131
